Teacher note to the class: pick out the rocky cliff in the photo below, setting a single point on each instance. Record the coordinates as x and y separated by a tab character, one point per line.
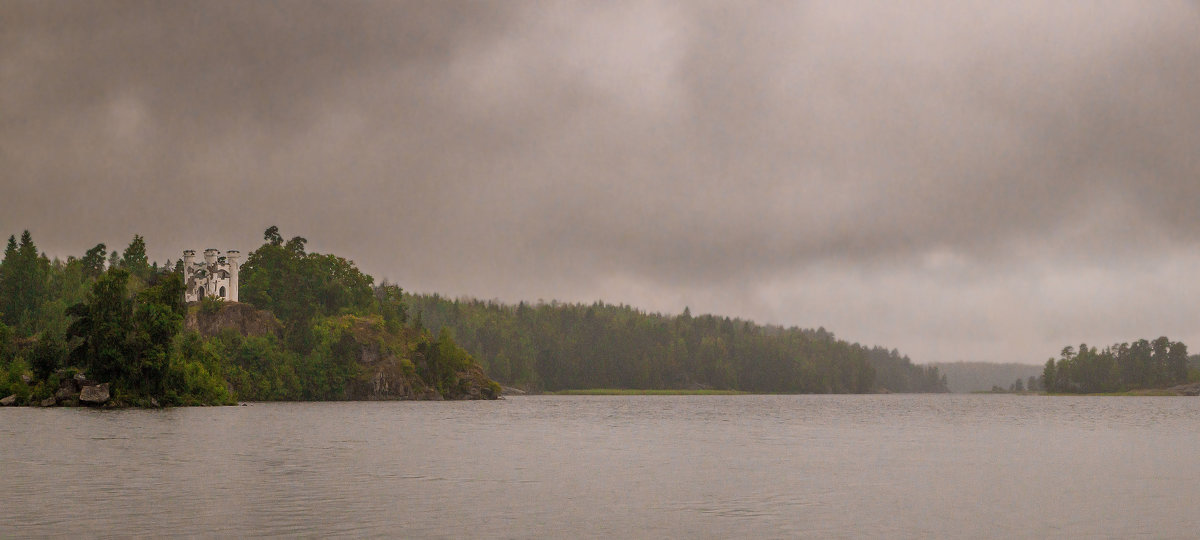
242	318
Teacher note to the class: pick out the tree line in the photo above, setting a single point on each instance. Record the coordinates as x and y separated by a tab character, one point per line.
559	346
1124	366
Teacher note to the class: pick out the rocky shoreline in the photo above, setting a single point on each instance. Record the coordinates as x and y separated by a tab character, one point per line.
74	390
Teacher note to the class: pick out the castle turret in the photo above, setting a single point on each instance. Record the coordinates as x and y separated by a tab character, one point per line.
210	256
231	257
189	255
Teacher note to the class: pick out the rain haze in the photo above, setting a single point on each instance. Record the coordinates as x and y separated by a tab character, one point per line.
961	181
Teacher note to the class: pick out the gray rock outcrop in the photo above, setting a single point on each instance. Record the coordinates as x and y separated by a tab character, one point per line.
245	319
66	393
80	381
1192	389
95	394
9	401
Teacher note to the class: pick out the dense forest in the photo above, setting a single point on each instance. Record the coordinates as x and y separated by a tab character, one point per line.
557	346
328	333
1161	363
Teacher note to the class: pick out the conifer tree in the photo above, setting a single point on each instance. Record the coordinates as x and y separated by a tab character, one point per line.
134	258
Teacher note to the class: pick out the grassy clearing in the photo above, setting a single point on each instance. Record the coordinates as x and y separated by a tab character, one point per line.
637	392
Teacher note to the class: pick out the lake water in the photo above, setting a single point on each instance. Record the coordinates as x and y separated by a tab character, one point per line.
898	466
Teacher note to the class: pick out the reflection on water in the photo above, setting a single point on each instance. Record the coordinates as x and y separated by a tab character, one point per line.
706	466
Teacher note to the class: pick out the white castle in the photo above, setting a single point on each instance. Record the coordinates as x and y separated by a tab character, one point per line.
214	276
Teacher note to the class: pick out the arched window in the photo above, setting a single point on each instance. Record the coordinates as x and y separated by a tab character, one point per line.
200	293
222	292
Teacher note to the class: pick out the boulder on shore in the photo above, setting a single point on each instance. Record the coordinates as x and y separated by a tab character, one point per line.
66	393
9	401
81	381
1192	389
94	395
49	402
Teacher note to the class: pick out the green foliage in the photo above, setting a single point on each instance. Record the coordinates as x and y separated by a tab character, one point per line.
299	287
23	284
1118	368
12	380
333	362
575	346
47	356
439	361
390	304
272	236
124	338
193	377
134	258
8	346
93	260
896	373
102	324
211	305
157	318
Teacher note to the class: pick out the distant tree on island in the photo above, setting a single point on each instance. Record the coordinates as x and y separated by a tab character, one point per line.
1125	366
977	376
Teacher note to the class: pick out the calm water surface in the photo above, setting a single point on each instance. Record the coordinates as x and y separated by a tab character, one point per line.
642	466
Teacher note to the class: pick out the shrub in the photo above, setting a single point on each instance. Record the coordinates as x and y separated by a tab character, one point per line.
211	305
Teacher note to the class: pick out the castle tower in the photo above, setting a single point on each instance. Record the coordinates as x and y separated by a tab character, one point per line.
231	258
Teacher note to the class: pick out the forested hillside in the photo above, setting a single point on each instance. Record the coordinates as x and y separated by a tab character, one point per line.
557	346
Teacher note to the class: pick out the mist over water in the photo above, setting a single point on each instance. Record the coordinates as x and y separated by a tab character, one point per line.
652	466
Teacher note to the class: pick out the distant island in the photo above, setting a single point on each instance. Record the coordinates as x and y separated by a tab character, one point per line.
1161	364
1143	367
115	329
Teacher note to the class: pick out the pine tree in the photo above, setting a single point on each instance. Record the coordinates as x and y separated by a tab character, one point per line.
8	285
134	258
22	284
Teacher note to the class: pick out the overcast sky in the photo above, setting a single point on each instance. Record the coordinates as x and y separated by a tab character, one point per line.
962	181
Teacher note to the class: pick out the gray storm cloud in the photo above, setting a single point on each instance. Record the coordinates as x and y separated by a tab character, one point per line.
962	181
